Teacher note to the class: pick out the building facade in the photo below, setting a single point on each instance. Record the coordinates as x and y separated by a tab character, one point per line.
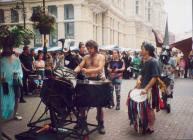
126	23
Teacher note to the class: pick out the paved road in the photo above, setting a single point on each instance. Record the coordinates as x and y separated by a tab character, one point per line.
176	125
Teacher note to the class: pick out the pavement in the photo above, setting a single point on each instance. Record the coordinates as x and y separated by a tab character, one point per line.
177	125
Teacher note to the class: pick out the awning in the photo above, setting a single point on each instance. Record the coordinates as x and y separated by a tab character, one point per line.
184	45
108	47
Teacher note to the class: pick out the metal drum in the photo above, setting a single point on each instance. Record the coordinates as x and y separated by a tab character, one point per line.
90	93
58	94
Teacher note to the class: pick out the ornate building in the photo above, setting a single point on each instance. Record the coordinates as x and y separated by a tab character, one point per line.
126	23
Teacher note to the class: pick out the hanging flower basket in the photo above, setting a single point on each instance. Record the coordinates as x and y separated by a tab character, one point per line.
44	29
15	36
44	22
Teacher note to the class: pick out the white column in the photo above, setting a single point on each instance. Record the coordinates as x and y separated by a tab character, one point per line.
60	21
78	25
192	26
83	27
107	31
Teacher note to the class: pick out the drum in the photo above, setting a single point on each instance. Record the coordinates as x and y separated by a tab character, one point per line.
90	93
64	72
137	109
58	94
136	96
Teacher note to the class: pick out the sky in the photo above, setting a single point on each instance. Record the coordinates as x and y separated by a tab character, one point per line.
179	15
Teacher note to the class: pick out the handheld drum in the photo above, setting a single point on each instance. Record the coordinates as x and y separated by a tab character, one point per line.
137	109
136	96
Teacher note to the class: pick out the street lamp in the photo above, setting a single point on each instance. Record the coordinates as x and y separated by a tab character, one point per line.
21	5
44	47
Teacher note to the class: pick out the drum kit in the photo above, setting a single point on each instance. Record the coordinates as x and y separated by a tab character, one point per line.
63	95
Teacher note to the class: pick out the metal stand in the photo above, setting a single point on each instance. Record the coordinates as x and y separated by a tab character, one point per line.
62	125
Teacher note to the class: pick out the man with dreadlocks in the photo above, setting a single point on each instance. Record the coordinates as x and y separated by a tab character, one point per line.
147	82
92	66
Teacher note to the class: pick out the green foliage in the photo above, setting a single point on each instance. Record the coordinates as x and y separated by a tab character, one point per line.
43	20
15	36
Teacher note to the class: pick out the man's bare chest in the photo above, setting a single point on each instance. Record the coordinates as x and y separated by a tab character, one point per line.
92	62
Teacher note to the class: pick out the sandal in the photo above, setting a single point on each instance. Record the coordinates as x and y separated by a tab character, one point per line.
17	117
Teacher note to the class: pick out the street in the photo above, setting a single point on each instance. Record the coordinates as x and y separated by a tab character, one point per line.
176	125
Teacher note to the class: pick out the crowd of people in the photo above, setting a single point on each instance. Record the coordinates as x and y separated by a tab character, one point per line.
114	65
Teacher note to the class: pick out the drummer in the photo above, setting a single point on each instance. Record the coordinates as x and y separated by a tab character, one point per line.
147	81
92	66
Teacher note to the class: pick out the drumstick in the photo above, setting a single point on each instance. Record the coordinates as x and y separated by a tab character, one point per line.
80	66
45	127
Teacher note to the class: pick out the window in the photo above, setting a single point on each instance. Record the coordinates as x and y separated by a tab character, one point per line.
53	10
69	30
38	36
69	23
2	17
137	7
14	16
68	11
53	37
149	11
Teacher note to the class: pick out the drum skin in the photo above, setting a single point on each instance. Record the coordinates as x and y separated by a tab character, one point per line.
93	95
136	96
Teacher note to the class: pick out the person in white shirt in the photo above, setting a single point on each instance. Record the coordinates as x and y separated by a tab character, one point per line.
40	68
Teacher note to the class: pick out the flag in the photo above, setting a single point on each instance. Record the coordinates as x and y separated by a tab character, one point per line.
166	37
158	40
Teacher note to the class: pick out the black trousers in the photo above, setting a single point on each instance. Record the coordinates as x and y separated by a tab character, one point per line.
25	87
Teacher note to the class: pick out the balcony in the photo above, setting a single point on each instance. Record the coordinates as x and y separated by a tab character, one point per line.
98	6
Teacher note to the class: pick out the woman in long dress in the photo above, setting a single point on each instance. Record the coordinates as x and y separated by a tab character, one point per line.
10	66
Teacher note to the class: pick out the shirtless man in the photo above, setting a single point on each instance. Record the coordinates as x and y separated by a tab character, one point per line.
92	66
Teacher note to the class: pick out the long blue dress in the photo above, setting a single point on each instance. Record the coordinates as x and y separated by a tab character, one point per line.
8	100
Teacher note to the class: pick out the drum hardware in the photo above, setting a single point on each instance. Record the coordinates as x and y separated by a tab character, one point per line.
59	96
5	136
